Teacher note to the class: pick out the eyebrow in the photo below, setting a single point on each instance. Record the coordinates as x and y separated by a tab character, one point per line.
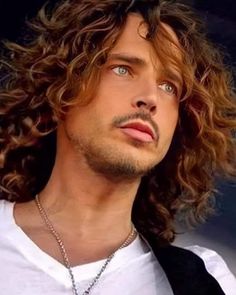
134	60
173	75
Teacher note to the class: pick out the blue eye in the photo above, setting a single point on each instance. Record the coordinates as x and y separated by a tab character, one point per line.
168	87
121	70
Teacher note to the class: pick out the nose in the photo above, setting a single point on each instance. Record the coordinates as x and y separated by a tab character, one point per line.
146	98
145	104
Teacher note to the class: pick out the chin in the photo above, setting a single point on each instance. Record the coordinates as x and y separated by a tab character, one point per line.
125	165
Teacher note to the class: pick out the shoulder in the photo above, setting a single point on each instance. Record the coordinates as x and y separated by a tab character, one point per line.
217	267
186	271
5	205
6	212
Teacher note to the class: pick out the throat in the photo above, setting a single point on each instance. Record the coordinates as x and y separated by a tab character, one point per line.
78	251
82	244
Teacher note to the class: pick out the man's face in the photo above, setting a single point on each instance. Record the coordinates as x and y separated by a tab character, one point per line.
128	126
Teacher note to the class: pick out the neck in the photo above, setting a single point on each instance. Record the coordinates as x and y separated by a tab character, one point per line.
86	203
90	211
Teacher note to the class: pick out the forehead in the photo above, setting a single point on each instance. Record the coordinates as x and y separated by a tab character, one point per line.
133	41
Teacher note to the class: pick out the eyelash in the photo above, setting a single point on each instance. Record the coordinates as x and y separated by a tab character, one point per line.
129	70
175	89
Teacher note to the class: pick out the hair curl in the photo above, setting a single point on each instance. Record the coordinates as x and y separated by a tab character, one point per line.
42	77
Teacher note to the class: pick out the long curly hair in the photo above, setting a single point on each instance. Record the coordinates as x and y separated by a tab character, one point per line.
63	57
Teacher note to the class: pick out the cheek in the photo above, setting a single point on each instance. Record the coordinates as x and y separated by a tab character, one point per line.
168	119
167	126
80	120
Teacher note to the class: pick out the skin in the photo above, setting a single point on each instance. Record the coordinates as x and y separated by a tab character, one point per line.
86	198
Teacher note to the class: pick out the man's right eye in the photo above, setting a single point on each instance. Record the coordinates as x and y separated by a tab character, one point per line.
121	70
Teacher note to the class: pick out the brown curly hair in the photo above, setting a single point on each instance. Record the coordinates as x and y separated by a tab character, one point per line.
41	78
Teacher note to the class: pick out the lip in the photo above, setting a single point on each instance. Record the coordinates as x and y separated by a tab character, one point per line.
144	128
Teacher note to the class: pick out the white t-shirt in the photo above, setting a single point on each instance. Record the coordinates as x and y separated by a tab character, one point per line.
26	269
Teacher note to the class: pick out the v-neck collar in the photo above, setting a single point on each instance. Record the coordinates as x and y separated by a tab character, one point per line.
54	268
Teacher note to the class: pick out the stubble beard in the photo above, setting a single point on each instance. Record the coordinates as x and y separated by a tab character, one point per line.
108	160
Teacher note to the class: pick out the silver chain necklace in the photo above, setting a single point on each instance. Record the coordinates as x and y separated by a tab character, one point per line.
64	255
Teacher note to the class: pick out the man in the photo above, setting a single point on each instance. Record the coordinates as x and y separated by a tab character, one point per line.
141	111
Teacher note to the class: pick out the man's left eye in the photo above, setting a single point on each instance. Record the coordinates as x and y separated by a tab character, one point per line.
121	70
168	87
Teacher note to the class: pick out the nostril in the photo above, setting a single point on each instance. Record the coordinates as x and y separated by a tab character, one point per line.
140	103
153	109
